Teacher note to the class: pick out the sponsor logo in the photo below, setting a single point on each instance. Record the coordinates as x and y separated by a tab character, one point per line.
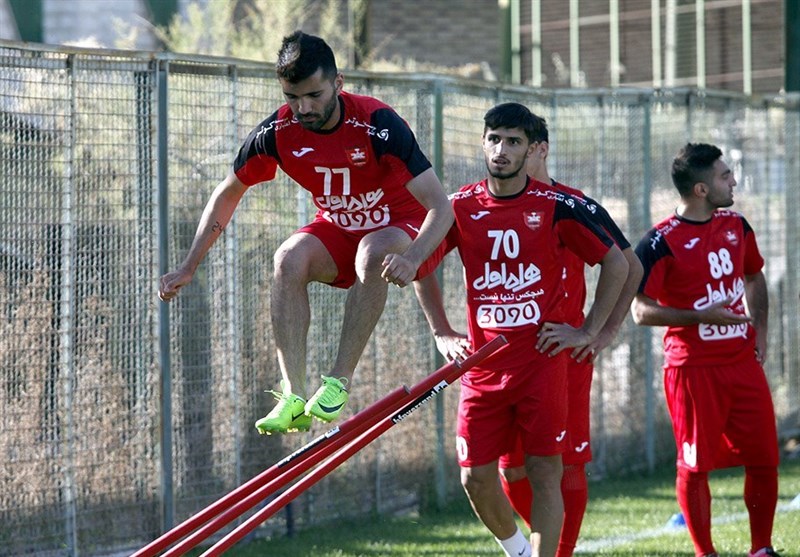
561	436
582	447
479	215
691	243
330	409
731	236
303	151
299	415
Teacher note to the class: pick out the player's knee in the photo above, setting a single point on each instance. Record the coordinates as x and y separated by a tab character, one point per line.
289	263
514	474
477	482
544	472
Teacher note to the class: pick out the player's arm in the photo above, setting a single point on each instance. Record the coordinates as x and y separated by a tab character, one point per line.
757	299
400	269
647	311
555	337
620	310
450	343
216	216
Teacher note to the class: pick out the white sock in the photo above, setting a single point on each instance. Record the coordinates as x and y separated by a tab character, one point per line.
516	546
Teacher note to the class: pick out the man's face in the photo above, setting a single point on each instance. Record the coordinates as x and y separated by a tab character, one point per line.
314	101
720	188
506	151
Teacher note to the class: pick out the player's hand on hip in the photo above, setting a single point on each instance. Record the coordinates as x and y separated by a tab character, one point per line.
172	282
555	337
399	270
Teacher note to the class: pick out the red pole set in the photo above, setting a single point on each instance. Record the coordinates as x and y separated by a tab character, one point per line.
344	440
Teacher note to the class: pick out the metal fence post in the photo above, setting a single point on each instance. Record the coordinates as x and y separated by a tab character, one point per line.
66	325
647	332
438	165
167	502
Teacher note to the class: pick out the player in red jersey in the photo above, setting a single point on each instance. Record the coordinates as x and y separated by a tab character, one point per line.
381	212
512	234
574	487
703	281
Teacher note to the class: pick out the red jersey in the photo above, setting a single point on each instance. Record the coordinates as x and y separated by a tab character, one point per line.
574	279
356	172
691	265
513	251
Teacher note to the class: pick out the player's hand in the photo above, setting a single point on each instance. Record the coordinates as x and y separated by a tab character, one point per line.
172	282
719	313
398	269
589	352
555	337
453	346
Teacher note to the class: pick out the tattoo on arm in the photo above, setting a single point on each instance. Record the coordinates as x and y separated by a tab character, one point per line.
217	227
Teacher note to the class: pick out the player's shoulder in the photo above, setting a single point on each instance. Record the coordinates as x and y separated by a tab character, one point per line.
657	237
468	191
363	103
571	190
278	120
727	214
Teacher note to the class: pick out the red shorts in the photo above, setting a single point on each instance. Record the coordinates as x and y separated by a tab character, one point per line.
343	244
532	404
578	448
722	416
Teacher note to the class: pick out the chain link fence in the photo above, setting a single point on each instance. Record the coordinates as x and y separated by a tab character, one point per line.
122	416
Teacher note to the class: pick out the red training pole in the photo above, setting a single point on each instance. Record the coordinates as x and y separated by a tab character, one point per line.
376	411
377	430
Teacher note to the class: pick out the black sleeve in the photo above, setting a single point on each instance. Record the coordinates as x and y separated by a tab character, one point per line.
393	136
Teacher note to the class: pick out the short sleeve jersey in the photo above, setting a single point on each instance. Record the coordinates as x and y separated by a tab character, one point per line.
691	265
513	250
356	172
574	279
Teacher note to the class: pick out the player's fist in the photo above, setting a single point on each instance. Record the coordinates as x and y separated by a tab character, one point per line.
172	282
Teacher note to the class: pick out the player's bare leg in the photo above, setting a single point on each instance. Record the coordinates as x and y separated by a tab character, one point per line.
482	485
301	259
367	297
547	514
363	308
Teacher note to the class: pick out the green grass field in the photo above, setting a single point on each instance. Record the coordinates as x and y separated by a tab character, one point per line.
626	517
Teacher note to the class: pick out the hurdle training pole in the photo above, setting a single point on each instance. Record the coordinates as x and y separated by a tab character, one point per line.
422	396
374	412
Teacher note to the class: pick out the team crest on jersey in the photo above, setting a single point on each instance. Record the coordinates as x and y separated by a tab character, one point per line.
731	236
533	219
357	156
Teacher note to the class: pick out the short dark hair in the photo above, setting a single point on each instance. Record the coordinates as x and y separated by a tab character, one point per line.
515	115
693	164
301	55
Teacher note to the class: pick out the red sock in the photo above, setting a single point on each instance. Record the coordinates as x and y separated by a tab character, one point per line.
520	495
575	491
761	498
694	499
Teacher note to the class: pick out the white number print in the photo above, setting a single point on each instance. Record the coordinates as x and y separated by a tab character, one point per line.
327	183
720	263
507	239
492	316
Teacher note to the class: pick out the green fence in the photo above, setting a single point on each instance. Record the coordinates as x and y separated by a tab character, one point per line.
122	416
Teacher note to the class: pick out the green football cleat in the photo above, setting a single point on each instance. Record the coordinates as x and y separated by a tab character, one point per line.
329	400
287	416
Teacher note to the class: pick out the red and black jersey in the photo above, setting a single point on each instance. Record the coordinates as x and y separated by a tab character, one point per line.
574	279
513	251
691	265
356	172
